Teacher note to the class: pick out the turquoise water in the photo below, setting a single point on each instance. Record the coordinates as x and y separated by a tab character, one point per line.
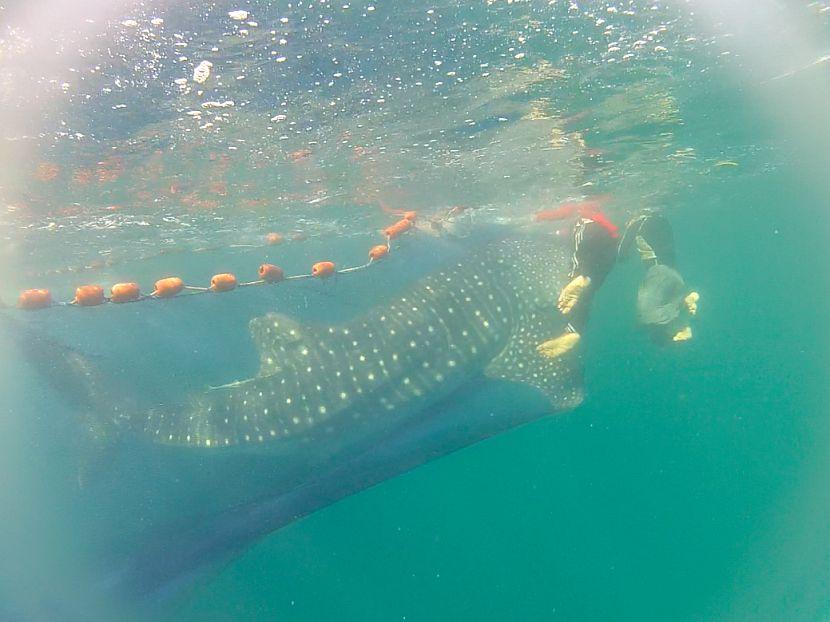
690	484
684	488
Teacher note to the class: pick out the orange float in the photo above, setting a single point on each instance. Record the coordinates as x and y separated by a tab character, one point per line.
223	282
378	252
169	287
125	292
399	227
82	176
300	154
271	273
273	239
89	295
33	299
46	171
322	269
410	216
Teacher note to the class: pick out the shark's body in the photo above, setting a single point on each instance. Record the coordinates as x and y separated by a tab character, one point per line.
485	314
336	409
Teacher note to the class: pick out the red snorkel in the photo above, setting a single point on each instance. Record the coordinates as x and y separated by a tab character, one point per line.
590	208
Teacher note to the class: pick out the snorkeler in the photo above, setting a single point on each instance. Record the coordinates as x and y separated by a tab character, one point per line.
664	303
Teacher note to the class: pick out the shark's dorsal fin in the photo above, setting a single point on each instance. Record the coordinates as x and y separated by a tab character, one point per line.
278	338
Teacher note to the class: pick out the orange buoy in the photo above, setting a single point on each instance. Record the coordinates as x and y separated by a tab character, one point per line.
271	273
273	239
398	228
222	282
125	292
378	252
322	269
169	287
33	299
410	216
89	295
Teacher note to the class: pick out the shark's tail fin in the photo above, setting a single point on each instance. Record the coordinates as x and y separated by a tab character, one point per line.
73	375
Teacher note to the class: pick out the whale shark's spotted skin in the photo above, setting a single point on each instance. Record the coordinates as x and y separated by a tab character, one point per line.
485	314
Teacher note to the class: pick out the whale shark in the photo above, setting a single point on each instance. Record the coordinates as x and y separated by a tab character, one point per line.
332	408
325	382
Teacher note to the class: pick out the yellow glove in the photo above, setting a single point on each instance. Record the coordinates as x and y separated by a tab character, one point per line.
691	302
684	334
556	347
571	294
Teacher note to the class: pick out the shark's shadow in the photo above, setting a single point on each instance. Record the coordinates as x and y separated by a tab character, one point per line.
179	468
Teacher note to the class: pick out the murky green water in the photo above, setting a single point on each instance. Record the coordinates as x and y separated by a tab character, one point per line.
690	484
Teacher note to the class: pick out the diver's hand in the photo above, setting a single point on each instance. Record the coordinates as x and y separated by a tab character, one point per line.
556	347
684	334
571	294
691	302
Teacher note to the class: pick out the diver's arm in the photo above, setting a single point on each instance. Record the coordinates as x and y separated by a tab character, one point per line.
594	256
594	253
651	234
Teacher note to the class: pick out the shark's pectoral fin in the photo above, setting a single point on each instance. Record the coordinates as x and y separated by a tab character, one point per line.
559	379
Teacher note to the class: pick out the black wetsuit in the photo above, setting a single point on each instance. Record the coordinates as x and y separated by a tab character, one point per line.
596	251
